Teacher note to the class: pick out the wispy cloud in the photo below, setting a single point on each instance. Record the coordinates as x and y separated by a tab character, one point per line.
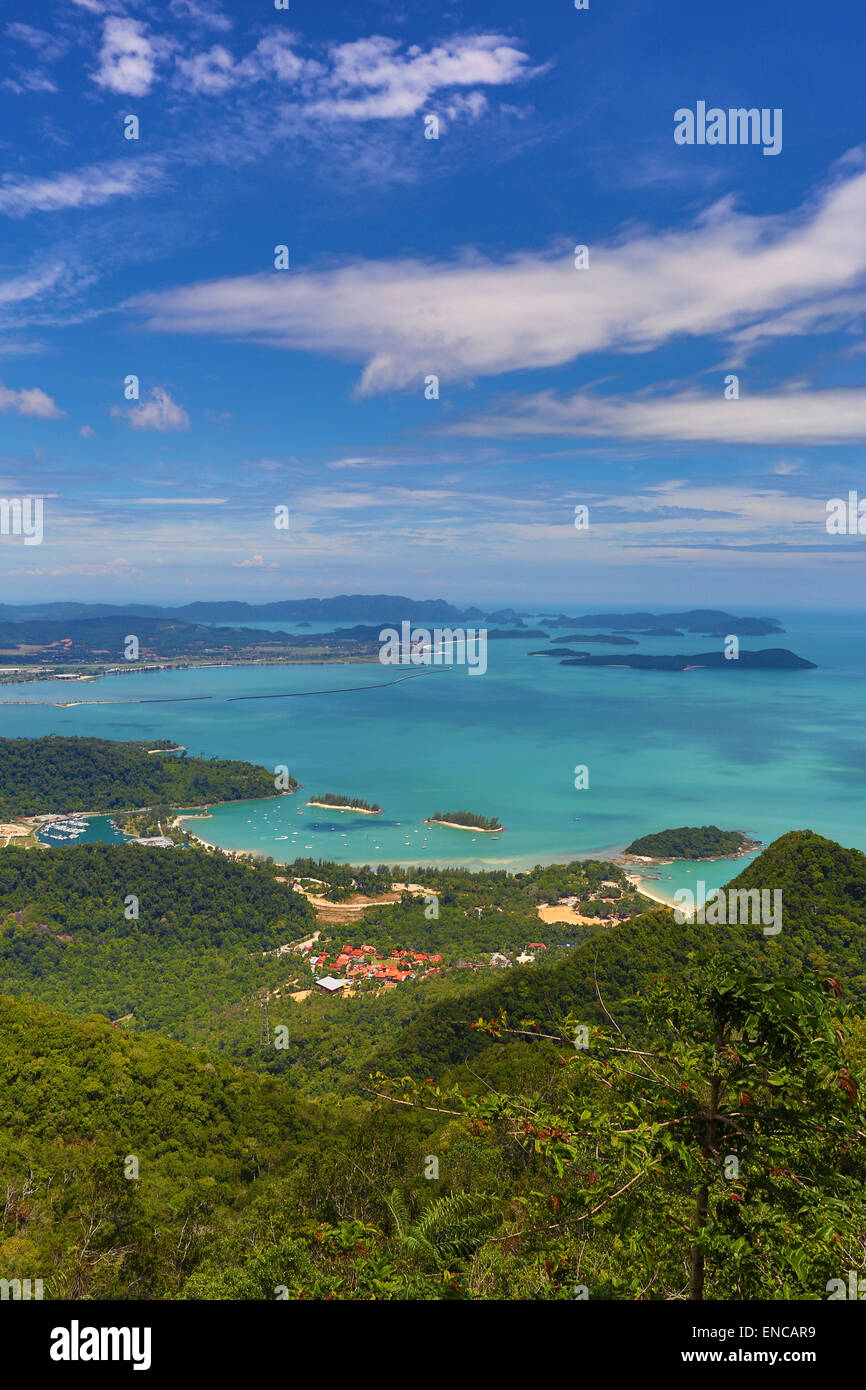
118	569
203	13
474	317
798	416
81	188
48	46
30	285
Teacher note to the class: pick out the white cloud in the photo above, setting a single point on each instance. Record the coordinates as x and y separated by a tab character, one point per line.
799	416
256	563
201	12
209	73
128	57
274	58
475	317
158	413
80	188
30	401
372	79
86	432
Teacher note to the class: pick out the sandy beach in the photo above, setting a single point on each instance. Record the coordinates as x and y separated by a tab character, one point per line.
476	829
635	882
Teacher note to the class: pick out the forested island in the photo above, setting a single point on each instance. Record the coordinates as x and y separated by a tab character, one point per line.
466	820
694	842
346	803
710	622
41	776
768	659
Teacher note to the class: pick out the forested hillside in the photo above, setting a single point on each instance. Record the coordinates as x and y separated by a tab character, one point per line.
824	928
667	1112
39	776
169	935
79	1100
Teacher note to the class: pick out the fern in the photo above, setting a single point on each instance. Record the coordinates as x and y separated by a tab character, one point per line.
452	1227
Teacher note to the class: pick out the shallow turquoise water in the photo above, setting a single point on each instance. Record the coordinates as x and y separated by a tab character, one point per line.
759	751
99	829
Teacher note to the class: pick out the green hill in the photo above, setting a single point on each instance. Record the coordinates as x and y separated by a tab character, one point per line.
79	1100
195	946
39	776
824	928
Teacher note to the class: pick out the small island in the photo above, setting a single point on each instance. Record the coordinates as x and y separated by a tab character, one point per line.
693	842
332	802
467	820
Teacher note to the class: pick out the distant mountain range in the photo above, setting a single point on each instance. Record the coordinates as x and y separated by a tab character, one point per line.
390	608
361	608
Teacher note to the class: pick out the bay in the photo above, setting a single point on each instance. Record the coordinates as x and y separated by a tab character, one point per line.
759	751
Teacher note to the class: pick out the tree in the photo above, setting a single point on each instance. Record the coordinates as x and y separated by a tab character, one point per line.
718	1157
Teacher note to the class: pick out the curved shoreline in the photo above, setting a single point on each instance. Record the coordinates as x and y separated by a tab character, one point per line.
634	880
356	810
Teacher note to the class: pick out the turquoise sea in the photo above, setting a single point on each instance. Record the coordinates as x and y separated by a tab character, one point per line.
759	751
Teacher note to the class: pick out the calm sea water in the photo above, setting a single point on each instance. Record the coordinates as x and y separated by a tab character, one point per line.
759	751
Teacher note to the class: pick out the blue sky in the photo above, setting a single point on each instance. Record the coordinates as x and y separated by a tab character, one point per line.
412	257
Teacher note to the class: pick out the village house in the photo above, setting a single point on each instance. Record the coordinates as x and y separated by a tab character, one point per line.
329	985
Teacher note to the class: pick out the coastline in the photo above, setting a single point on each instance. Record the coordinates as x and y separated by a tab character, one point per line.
476	829
635	867
748	847
356	810
634	880
218	849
